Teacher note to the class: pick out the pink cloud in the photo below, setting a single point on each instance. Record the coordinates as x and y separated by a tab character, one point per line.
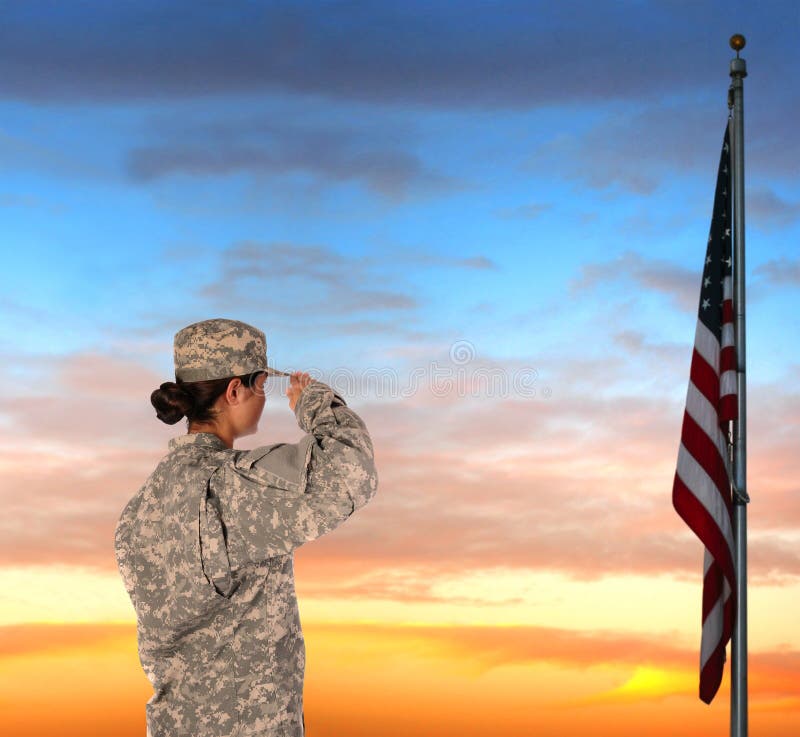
465	482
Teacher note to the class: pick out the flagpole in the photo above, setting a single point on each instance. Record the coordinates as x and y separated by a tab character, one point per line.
738	71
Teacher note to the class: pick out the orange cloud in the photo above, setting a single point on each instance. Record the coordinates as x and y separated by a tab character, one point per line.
37	638
773	674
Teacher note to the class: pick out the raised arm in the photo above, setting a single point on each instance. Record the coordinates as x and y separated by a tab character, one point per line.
283	495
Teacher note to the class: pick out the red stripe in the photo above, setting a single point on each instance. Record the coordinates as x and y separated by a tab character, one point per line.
728	408
712	588
711	674
705	452
727	618
691	510
727	311
727	359
705	378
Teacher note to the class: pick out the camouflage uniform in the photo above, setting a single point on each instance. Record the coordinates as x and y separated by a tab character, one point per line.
205	550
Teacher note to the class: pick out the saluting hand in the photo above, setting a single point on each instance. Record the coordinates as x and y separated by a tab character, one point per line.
298	381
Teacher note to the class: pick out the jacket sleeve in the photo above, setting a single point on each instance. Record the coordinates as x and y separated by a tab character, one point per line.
287	494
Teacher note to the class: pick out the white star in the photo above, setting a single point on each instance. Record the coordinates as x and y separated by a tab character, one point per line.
707	281
708	259
705	304
727	261
727	232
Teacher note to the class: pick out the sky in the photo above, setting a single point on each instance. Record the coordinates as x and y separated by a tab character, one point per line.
484	224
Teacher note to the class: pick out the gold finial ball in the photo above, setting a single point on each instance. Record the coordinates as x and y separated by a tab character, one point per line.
737	42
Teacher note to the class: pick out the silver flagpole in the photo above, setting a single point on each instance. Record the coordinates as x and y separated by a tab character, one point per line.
740	497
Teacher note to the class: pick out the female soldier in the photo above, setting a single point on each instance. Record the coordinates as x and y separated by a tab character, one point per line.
205	547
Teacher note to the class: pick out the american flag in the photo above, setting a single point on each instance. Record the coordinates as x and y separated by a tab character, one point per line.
701	491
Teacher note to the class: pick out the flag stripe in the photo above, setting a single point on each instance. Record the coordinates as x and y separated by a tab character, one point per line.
727	311
729	406
706	479
703	524
727	384
712	620
704	377
727	335
711	671
727	359
702	412
706	344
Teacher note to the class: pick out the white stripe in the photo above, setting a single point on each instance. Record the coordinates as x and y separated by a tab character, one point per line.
727	383
727	288
712	627
707	346
705	491
708	559
727	334
704	414
712	633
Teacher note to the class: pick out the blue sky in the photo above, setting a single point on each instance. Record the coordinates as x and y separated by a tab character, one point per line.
452	174
375	183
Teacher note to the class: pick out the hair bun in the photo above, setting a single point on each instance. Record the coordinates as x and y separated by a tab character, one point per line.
171	402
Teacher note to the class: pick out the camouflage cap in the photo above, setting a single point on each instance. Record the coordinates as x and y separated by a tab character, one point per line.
219	348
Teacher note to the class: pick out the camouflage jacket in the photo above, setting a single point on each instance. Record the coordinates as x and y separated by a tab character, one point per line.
205	551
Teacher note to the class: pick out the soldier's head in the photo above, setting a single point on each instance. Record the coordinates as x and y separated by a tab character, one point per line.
220	370
234	402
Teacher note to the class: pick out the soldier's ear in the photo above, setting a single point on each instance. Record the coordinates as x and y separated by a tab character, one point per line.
234	386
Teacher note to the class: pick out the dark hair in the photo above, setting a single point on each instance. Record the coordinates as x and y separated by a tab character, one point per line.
194	399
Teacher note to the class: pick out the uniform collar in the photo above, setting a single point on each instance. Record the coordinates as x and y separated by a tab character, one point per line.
205	439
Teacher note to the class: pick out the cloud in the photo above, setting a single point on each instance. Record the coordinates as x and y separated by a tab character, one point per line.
544	486
39	638
635	147
96	396
468	480
316	66
415	53
24	151
681	285
769	211
637	343
431	259
781	272
529	212
773	153
28	201
330	153
24	314
773	673
334	286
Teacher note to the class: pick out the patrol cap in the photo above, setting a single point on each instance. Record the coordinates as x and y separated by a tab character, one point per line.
219	348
